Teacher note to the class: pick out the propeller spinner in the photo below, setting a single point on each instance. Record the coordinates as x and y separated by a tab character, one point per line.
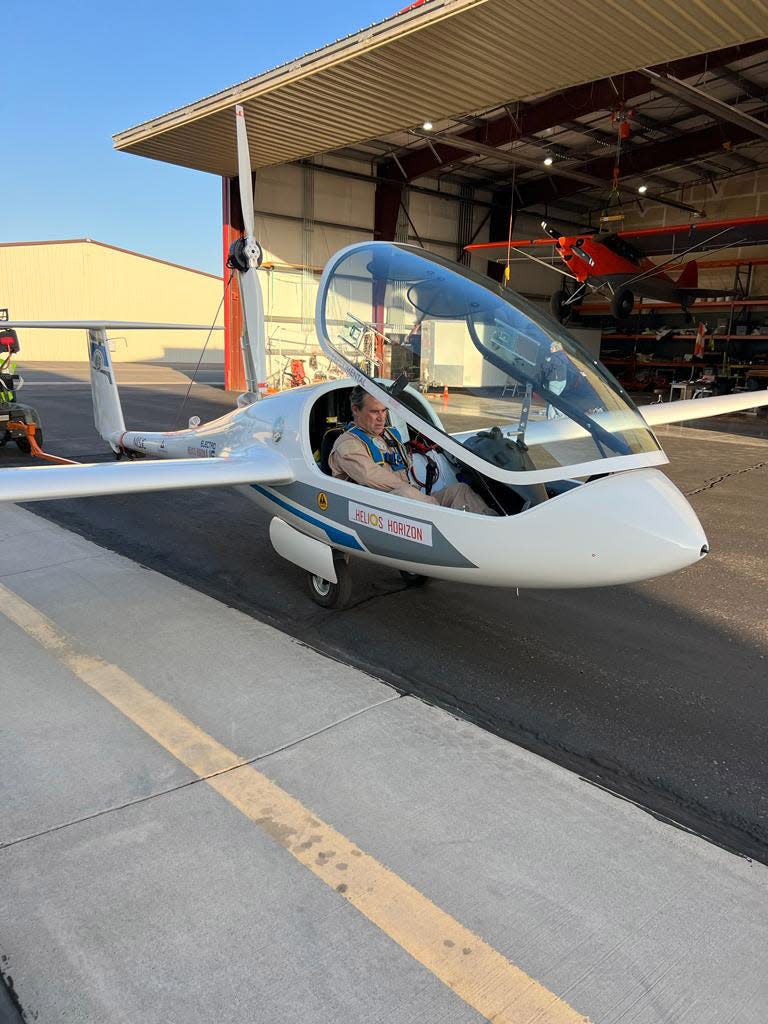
566	245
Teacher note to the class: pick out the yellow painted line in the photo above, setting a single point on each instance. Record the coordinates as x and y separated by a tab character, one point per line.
476	972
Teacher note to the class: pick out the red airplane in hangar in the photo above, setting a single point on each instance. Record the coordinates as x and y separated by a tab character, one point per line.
621	262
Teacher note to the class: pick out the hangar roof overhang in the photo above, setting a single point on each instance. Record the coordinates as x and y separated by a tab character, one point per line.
436	60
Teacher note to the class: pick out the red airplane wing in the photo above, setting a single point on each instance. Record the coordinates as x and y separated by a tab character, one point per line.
699	236
498	250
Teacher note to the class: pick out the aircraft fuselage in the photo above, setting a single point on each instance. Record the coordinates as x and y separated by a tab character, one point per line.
622	528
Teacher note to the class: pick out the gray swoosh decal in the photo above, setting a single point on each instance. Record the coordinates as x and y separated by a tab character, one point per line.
442	552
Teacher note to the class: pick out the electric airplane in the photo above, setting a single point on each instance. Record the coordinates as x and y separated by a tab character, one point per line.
569	464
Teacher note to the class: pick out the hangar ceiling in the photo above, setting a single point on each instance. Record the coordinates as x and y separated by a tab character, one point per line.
695	121
517	76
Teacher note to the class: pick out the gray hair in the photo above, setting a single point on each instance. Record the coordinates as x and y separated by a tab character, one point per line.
357	397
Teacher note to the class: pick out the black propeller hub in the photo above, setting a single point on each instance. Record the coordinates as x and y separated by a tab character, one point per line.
244	254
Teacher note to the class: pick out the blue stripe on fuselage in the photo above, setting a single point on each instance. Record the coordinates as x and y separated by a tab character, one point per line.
336	536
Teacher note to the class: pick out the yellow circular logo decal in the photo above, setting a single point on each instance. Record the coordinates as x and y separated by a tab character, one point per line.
322	501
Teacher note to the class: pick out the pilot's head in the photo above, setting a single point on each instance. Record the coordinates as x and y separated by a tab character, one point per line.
368	413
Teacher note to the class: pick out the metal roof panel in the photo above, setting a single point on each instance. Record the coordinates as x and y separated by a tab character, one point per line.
440	60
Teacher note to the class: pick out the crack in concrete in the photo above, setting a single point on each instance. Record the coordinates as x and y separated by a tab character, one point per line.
726	476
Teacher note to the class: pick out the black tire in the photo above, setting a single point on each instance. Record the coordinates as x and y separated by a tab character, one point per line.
414	579
331	595
556	307
622	304
4	438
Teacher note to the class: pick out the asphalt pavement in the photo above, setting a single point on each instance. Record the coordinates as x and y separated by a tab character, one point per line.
657	692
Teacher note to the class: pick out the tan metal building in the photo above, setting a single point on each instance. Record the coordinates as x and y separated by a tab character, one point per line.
80	279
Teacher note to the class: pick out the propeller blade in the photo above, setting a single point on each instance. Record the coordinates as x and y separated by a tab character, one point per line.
254	341
244	171
549	230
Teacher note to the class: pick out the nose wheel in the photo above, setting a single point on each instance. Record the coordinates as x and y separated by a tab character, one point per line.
328	594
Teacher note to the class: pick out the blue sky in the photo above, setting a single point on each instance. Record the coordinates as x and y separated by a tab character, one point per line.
74	73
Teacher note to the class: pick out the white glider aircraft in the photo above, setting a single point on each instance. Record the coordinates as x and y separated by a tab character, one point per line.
569	464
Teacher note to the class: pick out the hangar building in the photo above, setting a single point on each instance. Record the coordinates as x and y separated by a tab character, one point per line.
434	126
80	278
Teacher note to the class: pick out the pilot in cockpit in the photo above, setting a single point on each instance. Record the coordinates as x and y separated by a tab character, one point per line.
372	454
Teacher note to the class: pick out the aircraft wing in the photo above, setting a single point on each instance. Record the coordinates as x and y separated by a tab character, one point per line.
564	429
43	483
699	236
498	250
701	408
106	325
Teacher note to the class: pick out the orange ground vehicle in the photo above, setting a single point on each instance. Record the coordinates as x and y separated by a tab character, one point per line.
18	423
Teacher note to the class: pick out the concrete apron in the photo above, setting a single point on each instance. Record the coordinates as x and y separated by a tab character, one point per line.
204	820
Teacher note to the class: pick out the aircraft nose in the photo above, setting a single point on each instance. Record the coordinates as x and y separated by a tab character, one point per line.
660	531
620	529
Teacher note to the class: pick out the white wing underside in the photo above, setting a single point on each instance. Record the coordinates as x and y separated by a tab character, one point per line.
41	483
107	325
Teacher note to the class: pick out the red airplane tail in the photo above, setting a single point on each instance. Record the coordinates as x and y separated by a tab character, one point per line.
690	276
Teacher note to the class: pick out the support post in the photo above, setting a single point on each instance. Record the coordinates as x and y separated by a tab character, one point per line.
232	228
387	202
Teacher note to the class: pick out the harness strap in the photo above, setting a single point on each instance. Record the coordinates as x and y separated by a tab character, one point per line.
395	458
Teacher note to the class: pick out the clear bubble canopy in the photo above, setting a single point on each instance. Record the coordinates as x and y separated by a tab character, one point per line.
526	397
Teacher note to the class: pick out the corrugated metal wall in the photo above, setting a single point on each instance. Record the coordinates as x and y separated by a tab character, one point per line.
297	247
84	280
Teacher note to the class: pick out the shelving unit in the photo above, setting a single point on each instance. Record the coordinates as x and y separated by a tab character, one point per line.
733	354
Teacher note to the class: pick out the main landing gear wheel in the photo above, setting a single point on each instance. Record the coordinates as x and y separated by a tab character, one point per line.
414	579
331	595
622	304
564	301
557	305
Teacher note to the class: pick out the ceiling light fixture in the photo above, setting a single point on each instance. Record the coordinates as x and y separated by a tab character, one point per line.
643	189
427	126
548	161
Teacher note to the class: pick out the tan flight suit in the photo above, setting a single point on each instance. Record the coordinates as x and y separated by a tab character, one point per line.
351	460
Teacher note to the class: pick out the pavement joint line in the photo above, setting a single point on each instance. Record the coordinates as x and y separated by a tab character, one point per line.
50	565
193	782
472	969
